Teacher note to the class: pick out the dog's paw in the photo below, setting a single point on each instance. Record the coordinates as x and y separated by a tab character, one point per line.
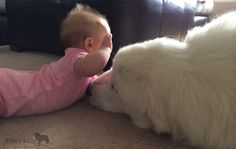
142	123
161	128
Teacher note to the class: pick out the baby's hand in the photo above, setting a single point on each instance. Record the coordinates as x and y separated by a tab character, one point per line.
107	41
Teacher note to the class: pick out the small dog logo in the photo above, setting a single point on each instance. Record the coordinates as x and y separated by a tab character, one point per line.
41	138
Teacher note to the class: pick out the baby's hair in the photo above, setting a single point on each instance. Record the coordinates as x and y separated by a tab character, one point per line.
81	22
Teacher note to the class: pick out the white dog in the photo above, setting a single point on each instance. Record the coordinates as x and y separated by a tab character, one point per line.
185	88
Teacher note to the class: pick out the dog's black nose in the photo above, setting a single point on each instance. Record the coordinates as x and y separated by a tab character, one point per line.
89	89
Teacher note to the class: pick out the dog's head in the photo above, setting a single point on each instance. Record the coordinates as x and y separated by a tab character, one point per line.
111	93
140	78
128	88
104	95
36	134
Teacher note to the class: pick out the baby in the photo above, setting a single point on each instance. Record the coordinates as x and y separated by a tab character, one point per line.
86	36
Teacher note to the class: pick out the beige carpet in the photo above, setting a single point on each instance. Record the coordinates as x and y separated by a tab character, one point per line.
80	126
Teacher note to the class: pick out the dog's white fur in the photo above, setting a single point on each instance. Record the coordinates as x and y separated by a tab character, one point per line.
185	88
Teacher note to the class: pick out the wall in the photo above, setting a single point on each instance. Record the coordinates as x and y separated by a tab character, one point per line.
222	6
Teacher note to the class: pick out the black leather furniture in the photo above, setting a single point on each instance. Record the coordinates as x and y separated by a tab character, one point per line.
33	24
3	24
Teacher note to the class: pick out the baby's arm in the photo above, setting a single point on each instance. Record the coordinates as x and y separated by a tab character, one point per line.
95	61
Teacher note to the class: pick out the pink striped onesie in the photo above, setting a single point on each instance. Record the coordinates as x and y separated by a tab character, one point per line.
53	87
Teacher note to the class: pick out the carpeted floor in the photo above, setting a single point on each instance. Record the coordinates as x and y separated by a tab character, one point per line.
80	126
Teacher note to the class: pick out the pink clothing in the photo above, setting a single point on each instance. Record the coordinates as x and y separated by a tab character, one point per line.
53	87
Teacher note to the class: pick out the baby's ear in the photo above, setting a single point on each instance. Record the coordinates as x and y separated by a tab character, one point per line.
88	44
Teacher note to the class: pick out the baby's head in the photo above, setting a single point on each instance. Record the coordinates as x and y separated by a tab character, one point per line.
84	28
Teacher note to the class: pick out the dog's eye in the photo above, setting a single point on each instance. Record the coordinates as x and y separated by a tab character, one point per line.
112	86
